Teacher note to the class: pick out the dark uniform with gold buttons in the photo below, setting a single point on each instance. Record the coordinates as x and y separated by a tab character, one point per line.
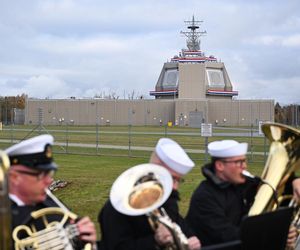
30	174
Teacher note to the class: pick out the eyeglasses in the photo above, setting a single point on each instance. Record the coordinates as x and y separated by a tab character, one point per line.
238	163
39	175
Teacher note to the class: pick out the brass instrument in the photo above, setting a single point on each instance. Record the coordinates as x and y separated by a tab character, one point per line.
283	159
141	190
57	235
160	216
5	211
296	219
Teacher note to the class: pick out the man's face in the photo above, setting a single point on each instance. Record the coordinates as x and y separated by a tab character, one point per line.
230	169
177	178
29	184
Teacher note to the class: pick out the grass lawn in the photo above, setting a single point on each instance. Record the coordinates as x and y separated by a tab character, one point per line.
90	179
90	171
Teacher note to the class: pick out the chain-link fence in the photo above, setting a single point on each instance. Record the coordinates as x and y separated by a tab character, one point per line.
134	141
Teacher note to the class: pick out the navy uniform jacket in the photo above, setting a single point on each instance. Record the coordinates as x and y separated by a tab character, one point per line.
217	208
21	216
122	232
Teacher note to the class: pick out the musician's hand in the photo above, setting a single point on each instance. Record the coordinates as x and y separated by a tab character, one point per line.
163	236
292	237
194	243
296	189
87	230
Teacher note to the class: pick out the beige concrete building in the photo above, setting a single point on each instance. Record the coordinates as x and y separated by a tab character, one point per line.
186	112
191	89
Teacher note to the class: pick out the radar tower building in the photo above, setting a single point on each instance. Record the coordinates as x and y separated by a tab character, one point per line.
191	74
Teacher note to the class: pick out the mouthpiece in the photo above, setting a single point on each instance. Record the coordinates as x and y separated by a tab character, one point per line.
252	177
247	174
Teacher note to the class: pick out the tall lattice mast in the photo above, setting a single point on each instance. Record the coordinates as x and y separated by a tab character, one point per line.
193	36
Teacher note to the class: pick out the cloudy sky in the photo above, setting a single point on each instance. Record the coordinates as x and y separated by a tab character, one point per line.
83	48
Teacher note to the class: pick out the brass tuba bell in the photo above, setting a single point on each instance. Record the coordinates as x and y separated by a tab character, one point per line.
282	161
141	190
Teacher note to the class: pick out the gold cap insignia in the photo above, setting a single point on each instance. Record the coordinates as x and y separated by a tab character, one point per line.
48	152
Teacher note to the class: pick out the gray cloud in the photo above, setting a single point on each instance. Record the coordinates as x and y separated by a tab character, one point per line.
63	48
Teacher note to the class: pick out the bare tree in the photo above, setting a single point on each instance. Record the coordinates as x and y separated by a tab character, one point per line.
131	95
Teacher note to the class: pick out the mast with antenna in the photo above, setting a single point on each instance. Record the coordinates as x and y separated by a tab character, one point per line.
193	36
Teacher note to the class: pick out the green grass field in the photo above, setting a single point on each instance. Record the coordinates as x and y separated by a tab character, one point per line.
90	179
91	171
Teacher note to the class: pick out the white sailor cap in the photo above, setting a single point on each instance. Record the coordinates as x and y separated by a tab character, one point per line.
34	153
227	148
173	155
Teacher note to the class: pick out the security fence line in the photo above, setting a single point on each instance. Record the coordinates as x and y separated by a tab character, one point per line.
134	141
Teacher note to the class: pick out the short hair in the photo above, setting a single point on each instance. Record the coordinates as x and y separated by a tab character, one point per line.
214	159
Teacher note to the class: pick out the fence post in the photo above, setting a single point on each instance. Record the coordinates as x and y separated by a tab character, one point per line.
166	129
11	133
97	134
67	137
206	149
251	143
129	130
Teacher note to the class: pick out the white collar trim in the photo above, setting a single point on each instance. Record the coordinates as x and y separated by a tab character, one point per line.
17	200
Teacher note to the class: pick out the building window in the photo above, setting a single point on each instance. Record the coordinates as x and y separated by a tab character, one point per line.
215	78
170	79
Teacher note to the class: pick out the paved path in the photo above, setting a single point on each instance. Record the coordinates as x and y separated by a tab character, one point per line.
107	146
244	133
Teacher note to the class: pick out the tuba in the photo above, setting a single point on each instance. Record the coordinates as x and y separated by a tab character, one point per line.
58	234
5	213
141	190
283	160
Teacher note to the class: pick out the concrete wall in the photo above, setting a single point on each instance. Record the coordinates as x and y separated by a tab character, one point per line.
149	112
227	112
89	112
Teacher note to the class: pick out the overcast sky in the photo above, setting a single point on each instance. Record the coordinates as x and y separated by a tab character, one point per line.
64	48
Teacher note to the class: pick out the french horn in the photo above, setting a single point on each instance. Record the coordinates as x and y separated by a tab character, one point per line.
142	190
58	234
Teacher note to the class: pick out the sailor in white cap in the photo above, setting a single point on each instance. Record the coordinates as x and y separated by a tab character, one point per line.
218	203
171	155
120	231
31	173
221	201
229	157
